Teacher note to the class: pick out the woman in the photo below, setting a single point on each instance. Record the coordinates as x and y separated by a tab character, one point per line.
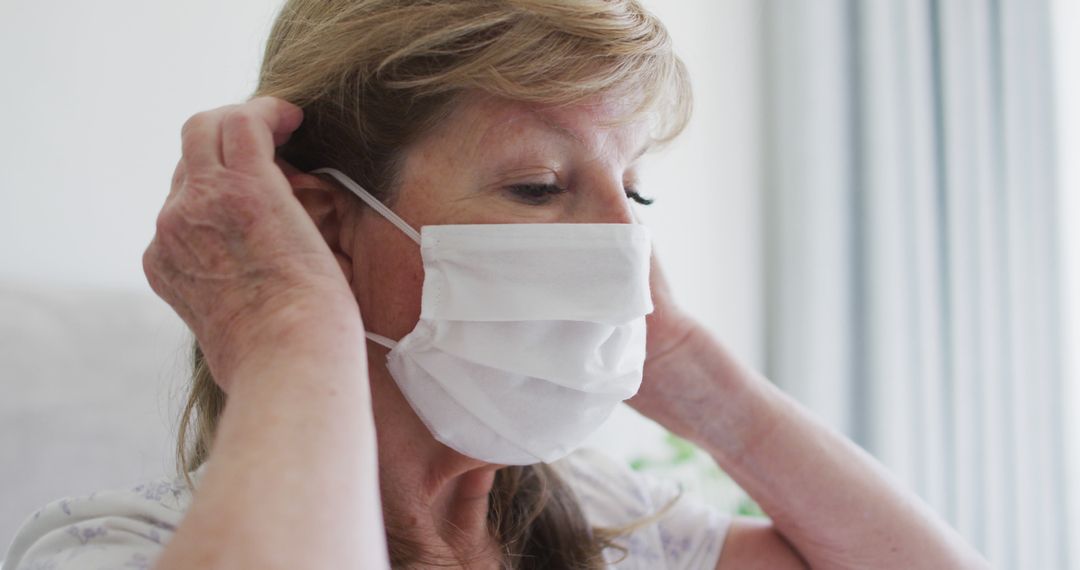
493	126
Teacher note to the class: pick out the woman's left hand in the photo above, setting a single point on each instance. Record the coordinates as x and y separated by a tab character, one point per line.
667	388
668	325
807	477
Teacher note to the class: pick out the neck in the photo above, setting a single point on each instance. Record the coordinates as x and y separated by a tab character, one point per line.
434	498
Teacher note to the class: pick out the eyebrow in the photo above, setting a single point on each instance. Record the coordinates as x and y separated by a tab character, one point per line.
561	130
567	133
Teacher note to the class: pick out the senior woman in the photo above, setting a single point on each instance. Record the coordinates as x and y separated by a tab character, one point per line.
454	182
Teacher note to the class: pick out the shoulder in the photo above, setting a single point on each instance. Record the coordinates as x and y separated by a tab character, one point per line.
121	528
688	533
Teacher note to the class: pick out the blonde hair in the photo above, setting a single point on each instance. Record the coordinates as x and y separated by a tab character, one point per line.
373	76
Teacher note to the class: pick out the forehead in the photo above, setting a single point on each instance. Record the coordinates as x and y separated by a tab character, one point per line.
597	126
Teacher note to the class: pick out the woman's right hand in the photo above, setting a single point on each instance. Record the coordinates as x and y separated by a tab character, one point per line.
235	253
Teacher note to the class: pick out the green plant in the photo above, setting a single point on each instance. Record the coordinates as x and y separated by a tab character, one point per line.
695	470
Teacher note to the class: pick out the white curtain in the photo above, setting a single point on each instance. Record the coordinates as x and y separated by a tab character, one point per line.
912	253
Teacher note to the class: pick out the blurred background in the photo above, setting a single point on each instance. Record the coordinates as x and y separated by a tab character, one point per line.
876	204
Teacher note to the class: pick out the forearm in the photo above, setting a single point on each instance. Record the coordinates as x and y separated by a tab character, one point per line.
292	481
834	503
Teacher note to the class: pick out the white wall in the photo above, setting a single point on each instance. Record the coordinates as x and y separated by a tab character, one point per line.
95	93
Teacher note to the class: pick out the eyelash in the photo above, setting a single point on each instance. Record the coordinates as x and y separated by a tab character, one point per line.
537	194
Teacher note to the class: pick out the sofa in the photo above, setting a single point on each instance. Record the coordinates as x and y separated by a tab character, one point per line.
91	386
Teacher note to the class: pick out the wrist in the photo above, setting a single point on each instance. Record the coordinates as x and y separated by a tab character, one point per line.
310	330
701	392
675	388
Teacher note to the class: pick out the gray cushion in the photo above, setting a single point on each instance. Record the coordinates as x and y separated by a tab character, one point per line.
91	383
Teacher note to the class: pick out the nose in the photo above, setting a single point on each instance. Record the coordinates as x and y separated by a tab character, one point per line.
604	201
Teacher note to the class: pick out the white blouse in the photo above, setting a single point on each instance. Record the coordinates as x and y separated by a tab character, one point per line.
127	529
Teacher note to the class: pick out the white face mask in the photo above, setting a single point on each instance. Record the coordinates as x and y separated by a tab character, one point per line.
529	334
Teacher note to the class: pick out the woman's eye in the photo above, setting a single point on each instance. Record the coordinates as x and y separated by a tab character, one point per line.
536	194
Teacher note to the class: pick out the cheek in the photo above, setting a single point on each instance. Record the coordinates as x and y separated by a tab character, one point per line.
387	281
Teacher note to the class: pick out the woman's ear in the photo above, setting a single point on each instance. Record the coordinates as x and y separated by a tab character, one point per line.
326	204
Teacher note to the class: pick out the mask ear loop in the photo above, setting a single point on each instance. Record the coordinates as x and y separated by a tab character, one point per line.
386	213
380	339
371	201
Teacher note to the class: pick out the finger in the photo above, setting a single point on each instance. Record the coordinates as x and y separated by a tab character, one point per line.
201	138
282	137
251	132
178	177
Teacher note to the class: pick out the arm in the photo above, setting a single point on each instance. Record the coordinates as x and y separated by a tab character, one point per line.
292	480
831	504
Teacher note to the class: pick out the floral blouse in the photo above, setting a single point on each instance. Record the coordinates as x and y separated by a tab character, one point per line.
127	529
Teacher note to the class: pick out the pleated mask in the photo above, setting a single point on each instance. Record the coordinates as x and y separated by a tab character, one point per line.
529	334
